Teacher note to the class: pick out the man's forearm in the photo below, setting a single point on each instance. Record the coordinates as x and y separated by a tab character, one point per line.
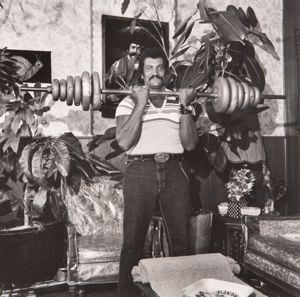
129	130
188	132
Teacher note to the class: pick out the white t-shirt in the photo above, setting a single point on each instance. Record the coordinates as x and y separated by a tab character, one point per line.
160	127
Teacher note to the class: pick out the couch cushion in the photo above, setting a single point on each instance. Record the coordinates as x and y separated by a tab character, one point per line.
98	272
269	267
97	207
98	248
275	226
281	251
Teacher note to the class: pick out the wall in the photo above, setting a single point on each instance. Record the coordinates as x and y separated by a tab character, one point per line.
71	30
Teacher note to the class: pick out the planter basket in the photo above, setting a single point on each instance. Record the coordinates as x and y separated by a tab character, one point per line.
234	209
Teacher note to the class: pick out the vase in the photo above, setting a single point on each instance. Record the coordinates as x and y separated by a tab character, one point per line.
234	209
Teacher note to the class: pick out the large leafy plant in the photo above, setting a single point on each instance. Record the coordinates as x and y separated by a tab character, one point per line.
45	165
228	50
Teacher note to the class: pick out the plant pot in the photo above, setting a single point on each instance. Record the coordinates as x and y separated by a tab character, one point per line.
29	255
234	209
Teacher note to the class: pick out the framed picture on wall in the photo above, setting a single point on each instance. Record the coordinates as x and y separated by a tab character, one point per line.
123	41
33	66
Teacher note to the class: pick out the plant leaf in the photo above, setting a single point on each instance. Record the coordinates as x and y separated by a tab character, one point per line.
178	44
12	142
181	52
262	108
84	174
243	18
96	141
37	165
29	117
202	11
188	31
62	157
102	165
25	160
124	6
230	27
45	109
52	169
113	155
252	17
260	39
57	206
255	72
39	202
8	161
16	123
73	144
182	26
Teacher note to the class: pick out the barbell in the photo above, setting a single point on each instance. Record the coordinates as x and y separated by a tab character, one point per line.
227	96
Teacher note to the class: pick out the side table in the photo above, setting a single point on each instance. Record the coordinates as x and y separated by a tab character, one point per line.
236	238
230	237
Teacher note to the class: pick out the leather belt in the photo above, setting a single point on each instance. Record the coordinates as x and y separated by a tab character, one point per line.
159	157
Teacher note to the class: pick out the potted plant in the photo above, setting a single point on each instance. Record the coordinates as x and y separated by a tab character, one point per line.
225	51
239	188
45	167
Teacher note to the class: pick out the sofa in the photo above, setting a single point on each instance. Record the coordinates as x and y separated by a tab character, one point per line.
272	251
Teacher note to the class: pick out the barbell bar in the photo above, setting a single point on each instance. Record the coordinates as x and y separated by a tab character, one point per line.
48	89
127	92
227	96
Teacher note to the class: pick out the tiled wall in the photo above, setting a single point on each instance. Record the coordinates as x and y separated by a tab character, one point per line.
71	30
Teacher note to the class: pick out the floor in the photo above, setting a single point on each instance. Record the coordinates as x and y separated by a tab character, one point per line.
109	290
98	291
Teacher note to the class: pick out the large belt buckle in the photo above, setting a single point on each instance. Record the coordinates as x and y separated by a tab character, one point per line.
161	157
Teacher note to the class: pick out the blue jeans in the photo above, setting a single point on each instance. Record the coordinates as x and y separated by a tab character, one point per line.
146	183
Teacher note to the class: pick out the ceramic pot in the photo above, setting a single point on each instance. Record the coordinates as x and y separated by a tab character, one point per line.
234	209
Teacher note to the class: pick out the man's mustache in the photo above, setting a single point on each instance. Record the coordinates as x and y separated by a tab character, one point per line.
156	76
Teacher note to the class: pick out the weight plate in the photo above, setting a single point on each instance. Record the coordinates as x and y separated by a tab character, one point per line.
221	88
55	89
257	95
240	95
77	90
233	90
251	96
70	90
63	90
246	95
96	91
86	91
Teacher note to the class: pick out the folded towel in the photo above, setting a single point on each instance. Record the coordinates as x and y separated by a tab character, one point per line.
168	276
140	273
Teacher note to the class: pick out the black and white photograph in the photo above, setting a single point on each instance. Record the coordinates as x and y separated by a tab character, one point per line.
149	148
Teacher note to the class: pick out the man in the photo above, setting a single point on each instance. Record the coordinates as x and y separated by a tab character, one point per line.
154	131
123	72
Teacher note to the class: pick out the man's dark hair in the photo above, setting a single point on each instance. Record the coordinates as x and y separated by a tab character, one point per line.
153	52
